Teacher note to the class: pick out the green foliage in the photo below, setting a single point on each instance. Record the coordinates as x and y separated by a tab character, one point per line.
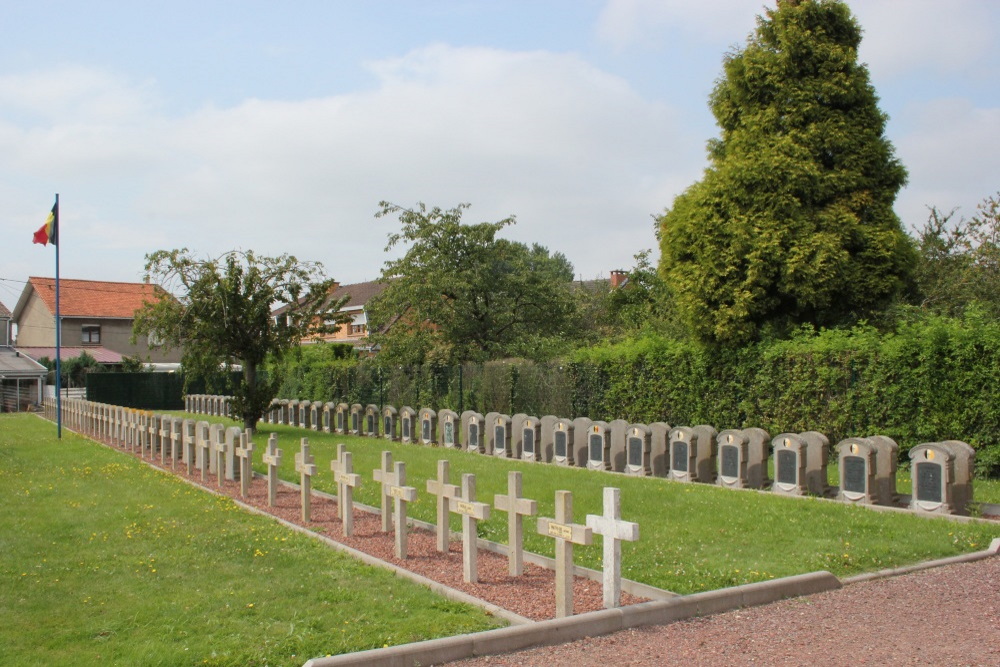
793	220
222	316
959	263
459	293
133	365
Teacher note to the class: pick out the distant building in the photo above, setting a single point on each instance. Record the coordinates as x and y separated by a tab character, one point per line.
21	378
354	332
96	318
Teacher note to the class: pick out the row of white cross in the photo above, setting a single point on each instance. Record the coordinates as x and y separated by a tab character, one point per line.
395	495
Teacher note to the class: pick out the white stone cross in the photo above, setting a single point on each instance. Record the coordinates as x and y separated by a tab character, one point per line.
517	508
378	475
164	433
305	466
566	534
220	454
245	453
204	448
272	459
153	430
401	494
471	513
346	479
444	491
176	438
611	527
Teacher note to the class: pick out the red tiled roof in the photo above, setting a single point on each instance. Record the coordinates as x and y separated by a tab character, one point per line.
94	298
359	293
102	354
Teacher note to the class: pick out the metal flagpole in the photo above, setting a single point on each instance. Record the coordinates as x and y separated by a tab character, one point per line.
58	330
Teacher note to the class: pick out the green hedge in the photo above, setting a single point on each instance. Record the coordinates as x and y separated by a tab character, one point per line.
933	379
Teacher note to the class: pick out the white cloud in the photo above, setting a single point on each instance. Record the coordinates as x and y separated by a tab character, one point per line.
926	35
647	22
573	152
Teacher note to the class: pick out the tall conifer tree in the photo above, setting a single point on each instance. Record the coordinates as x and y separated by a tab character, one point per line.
793	220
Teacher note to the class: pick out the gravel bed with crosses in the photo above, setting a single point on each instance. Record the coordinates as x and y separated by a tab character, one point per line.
531	595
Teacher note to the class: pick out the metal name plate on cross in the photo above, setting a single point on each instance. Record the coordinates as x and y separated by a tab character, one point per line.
611	527
566	534
272	459
306	467
346	480
394	488
471	512
517	508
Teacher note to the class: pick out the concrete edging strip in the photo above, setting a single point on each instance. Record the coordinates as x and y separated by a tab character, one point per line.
992	550
592	624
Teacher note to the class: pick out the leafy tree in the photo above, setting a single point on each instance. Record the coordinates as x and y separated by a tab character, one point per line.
792	221
459	293
222	315
133	365
960	261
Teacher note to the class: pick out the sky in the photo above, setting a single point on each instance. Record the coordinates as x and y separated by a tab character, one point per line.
279	127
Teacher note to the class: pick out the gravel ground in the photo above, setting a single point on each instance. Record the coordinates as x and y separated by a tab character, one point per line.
943	616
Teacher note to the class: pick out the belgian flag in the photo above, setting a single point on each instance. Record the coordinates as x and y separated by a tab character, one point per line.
49	232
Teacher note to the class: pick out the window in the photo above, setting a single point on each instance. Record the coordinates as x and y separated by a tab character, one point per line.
358	329
91	334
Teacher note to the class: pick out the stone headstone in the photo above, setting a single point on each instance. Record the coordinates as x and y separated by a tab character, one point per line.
293	412
499	435
449	425
638	459
659	438
316	416
617	457
305	412
407	424
817	455
692	454
941	481
789	452
581	444
563	441
390	423
472	428
428	426
529	436
599	446
328	411
357	413
370	426
340	418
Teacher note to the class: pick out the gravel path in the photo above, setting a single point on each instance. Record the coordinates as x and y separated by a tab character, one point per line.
943	616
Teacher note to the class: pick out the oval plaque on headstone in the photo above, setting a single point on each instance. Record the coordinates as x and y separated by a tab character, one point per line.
855	474
929	482
679	450
635	452
730	455
786	463
560	444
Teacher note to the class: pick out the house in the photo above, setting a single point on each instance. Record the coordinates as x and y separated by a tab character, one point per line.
96	318
356	331
21	378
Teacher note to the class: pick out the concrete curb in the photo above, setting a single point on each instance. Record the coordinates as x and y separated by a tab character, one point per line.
592	624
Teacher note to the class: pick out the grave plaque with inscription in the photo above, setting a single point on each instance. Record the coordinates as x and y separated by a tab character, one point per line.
354	422
370	429
786	464
425	430
340	421
387	425
449	433
596	449
634	447
474	435
730	460
406	427
560	443
929	482
500	439
679	450
855	474
528	441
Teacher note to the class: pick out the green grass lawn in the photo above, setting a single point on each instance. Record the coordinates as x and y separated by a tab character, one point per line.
105	561
693	537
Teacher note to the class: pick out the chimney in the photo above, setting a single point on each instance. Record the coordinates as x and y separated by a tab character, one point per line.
618	278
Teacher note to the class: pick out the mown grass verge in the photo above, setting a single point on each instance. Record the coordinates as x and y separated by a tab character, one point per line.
106	561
